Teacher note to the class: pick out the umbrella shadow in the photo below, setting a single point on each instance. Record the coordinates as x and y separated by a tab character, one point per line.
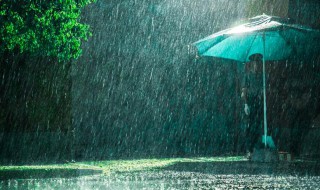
249	168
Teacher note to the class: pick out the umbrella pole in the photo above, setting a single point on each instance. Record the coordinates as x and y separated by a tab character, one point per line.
264	91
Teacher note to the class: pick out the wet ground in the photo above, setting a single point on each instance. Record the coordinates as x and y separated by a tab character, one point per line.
6	175
206	175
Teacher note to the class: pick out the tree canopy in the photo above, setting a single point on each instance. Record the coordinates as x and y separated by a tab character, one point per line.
43	28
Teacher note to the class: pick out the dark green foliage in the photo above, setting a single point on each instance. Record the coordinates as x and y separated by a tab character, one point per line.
43	28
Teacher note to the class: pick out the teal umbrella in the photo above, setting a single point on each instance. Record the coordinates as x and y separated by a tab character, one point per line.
273	37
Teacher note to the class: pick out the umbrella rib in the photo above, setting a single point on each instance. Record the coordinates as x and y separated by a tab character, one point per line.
251	46
209	47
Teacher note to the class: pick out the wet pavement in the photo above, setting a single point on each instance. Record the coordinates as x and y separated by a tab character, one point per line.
184	175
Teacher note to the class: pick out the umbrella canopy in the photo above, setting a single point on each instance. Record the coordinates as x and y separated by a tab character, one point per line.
280	38
272	37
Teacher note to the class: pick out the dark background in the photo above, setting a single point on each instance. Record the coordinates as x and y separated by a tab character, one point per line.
141	92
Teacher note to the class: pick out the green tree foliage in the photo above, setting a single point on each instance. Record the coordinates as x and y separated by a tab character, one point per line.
43	28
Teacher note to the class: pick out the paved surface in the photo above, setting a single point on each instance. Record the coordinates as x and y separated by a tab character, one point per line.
211	175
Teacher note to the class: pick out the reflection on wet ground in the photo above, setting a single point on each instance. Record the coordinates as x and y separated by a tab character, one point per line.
45	173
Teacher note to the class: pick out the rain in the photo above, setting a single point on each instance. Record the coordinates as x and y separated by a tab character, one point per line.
143	107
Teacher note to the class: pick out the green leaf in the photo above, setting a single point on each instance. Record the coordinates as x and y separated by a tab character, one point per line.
46	28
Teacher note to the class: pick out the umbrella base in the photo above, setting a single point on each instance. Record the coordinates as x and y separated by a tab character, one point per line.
265	155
